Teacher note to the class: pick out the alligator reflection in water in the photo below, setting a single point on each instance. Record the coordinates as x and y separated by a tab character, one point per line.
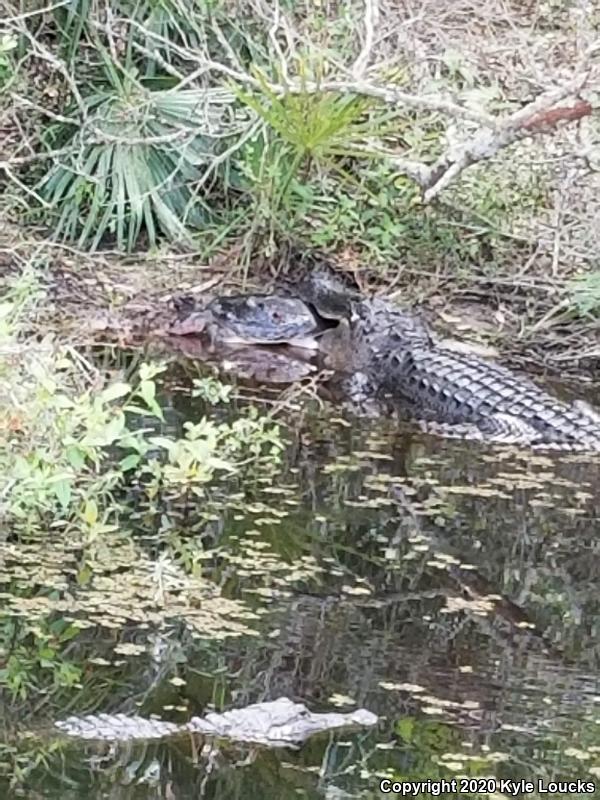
357	600
279	723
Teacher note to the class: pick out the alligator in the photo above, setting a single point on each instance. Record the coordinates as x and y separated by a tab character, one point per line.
278	723
389	353
454	394
451	388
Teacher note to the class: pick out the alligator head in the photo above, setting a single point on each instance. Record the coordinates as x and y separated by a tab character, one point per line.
278	723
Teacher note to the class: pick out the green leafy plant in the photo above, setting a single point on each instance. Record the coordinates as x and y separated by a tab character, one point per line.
305	132
70	445
134	163
211	389
585	293
170	20
316	124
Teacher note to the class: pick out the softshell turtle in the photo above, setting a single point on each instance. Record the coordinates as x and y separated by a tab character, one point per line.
254	319
330	297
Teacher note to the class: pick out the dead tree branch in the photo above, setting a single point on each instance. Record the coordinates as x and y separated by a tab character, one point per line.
536	117
370	24
485	134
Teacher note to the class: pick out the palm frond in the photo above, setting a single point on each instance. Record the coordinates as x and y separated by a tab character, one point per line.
135	162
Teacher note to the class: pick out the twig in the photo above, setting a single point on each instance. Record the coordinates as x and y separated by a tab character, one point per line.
253	128
37	12
276	46
388	93
392	95
100	137
370	22
19	161
45	111
11	175
42	52
536	117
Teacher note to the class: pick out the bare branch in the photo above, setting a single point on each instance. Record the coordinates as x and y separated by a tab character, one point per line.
539	116
37	12
276	47
19	161
216	162
394	96
11	176
371	19
388	93
41	51
485	134
546	120
44	111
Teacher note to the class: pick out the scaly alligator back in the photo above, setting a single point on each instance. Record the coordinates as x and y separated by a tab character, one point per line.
454	388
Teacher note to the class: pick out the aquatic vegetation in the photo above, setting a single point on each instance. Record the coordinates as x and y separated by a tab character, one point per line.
69	443
75	443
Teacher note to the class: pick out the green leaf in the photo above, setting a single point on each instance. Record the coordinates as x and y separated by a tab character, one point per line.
106	434
133	409
90	512
76	457
129	462
84	575
62	490
115	391
404	728
163	441
147	391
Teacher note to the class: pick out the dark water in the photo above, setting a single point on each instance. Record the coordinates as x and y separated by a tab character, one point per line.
450	588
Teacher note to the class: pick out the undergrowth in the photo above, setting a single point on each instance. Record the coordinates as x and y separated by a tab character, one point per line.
143	145
167	121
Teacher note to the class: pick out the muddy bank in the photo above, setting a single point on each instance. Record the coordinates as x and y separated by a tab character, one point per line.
111	298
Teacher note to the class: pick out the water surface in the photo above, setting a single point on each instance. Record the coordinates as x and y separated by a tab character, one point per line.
449	587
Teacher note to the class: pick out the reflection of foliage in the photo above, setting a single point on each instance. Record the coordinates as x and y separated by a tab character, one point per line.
33	660
357	598
434	750
74	447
